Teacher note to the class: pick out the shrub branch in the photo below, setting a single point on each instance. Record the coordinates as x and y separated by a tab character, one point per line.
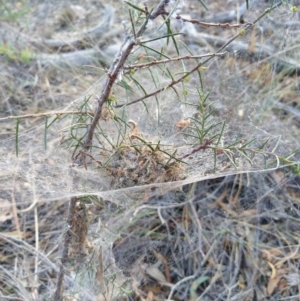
217	53
116	70
186	57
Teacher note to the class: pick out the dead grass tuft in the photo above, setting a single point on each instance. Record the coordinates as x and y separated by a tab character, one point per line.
222	239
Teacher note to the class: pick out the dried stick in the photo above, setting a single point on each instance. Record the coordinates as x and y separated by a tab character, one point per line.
186	57
58	296
47	114
206	24
204	146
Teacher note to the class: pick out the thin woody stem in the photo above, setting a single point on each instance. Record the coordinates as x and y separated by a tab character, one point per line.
115	69
58	295
186	57
47	114
223	25
203	146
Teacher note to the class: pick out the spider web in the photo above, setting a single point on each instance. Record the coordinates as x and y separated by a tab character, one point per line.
245	94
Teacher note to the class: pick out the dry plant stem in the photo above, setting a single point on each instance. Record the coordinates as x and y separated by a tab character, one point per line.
58	114
186	57
160	9
59	286
203	146
14	207
36	259
114	71
84	154
160	207
223	25
197	221
100	272
178	283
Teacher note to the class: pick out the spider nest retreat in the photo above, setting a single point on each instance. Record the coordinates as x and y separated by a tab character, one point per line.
139	161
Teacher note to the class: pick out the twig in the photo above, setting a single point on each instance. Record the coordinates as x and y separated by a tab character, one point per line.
100	271
36	228
206	24
179	283
36	259
58	114
200	229
160	9
86	154
232	15
58	296
204	145
186	57
160	207
14	206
